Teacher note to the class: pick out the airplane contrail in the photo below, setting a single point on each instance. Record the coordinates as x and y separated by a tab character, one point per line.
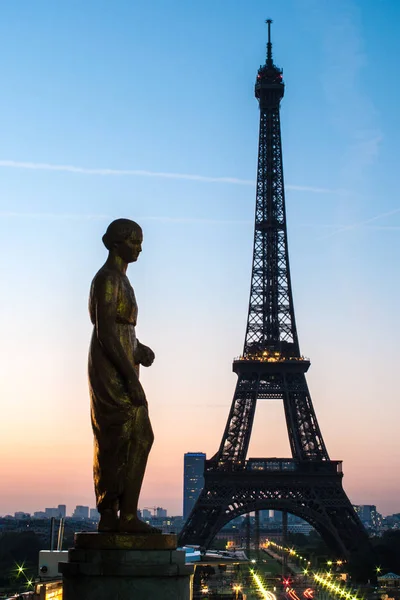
34	166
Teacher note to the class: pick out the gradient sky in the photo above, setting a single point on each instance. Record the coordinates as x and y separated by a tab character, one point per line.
145	109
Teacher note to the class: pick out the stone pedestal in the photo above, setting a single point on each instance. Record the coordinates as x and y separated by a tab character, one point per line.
104	566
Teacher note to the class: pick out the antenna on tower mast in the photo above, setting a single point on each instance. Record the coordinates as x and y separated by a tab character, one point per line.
269	44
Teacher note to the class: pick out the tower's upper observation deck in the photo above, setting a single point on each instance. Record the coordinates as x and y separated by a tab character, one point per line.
269	76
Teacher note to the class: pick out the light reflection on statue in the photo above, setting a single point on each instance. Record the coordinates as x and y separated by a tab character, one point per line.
122	431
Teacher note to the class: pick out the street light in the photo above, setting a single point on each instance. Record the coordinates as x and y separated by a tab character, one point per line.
237	588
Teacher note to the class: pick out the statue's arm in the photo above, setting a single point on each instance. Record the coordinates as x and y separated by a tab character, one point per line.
105	301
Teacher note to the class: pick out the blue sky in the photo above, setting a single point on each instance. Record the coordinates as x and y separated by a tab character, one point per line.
146	110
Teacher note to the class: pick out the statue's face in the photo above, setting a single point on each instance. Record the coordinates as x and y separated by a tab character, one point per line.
130	248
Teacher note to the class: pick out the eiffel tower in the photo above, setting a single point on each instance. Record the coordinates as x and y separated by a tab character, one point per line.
271	367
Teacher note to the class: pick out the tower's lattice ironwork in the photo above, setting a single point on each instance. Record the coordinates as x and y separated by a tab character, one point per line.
308	484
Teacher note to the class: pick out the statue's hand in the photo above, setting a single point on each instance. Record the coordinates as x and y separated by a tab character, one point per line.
148	356
136	393
145	355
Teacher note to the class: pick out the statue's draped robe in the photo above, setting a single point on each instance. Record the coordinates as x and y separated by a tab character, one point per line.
115	420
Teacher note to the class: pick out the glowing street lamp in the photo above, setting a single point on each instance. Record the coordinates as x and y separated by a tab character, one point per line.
266	594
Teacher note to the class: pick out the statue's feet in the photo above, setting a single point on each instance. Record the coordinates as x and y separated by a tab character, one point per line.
109	520
132	524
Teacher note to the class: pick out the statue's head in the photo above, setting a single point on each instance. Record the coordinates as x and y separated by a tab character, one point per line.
124	237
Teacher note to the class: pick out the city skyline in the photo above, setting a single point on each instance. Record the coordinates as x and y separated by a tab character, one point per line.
132	118
367	513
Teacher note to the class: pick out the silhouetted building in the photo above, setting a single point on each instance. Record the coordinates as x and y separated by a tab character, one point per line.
58	513
81	512
265	516
300	527
193	480
21	515
276	516
94	514
390	580
368	514
161	513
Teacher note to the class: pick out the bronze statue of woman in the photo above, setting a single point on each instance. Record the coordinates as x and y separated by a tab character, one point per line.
122	431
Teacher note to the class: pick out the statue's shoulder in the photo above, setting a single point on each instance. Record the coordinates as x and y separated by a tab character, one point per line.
105	284
108	276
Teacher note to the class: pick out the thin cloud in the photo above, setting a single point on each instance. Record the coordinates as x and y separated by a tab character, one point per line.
46	215
383	227
102	217
120	172
364	223
198	220
314	190
32	166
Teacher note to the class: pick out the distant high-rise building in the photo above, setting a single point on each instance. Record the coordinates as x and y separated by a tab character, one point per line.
94	514
81	512
276	516
58	513
39	514
193	480
146	514
161	513
264	516
368	514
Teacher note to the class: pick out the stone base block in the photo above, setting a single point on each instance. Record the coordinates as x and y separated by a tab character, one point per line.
124	541
119	574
